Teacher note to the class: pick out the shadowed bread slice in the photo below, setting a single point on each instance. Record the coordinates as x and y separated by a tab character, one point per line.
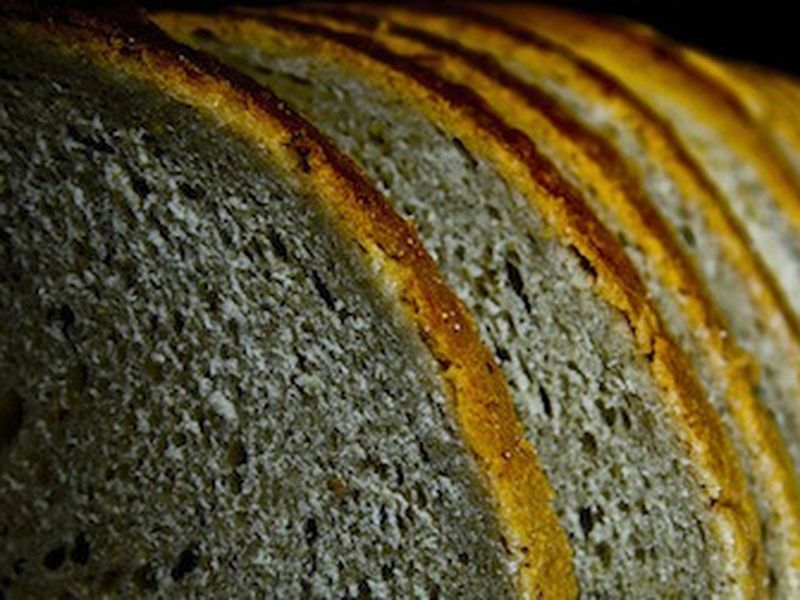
759	98
758	183
621	425
616	194
227	368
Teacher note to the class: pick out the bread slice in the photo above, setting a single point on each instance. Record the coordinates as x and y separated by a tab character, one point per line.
616	194
757	98
621	425
227	368
759	185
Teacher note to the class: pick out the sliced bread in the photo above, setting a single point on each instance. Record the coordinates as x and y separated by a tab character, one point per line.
738	281
761	188
766	96
616	194
647	485
227	368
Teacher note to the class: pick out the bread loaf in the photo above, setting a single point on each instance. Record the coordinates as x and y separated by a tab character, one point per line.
229	368
619	198
552	80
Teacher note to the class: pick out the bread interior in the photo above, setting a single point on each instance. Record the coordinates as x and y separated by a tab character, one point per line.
207	391
625	492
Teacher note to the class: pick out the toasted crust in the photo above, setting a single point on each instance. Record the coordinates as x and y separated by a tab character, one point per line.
764	95
620	189
759	104
458	109
478	395
653	67
659	64
528	47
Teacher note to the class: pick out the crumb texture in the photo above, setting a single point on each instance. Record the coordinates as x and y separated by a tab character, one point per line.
202	392
763	334
624	488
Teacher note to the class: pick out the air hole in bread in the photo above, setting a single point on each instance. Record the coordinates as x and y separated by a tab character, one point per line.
516	283
584	263
190	191
55	558
278	246
311	531
12	410
188	560
299	80
203	34
589	443
140	186
547	404
586	520
466	153
502	354
81	551
688	235
605	552
89	141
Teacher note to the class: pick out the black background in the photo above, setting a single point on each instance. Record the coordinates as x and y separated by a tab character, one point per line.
764	32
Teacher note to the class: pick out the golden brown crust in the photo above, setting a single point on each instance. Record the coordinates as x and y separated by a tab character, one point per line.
764	96
758	106
461	111
652	64
475	386
620	189
528	47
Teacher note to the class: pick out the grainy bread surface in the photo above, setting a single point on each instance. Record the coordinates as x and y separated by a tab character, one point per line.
688	203
760	93
434	200
743	161
740	285
161	279
613	188
228	366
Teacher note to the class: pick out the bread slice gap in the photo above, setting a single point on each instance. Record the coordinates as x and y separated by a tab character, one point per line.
618	197
590	368
228	367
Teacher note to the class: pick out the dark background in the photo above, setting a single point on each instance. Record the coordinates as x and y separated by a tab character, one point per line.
766	32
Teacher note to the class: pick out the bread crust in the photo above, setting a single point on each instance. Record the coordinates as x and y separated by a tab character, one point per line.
662	141
473	382
634	56
776	480
760	93
506	37
460	110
